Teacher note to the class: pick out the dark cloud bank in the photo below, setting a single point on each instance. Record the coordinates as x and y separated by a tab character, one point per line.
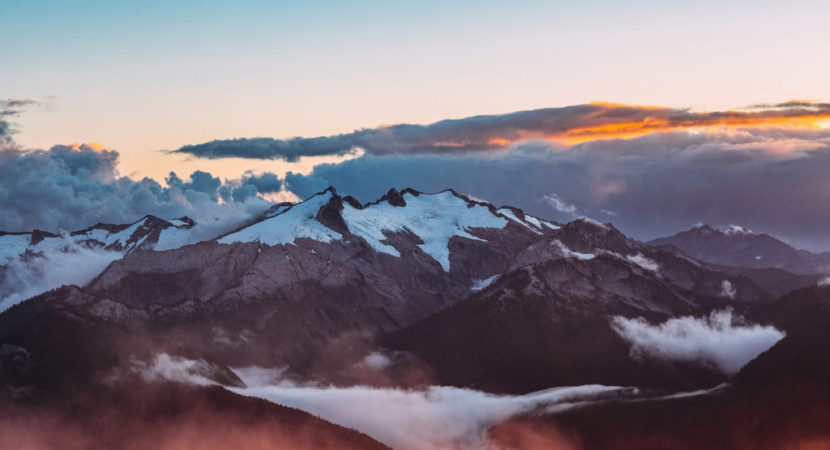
655	174
493	132
648	186
649	170
72	187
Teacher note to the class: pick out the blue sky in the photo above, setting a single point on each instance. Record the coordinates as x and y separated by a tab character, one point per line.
143	76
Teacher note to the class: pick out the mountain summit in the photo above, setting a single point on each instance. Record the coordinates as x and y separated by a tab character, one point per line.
740	247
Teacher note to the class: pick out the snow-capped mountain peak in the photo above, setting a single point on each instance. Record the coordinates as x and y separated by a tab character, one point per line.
433	219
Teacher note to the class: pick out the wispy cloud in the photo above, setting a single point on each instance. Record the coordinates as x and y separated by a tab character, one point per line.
427	418
438	417
9	108
560	205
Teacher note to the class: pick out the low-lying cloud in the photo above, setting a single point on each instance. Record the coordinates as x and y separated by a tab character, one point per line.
720	340
166	367
427	418
438	417
73	264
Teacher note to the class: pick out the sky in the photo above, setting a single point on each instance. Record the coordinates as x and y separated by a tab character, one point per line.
146	78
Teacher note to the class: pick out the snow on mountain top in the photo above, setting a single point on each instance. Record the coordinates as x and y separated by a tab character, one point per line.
727	230
643	261
533	226
434	218
736	229
124	238
593	222
287	224
479	285
572	254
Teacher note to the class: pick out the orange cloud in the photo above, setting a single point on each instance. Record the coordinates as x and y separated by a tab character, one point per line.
790	115
567	125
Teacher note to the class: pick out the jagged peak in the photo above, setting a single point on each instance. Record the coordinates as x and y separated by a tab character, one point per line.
705	228
517	211
39	235
353	202
393	197
187	221
329	214
148	220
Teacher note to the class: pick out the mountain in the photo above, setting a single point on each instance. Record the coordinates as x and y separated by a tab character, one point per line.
412	289
37	261
274	292
739	247
493	338
147	233
278	291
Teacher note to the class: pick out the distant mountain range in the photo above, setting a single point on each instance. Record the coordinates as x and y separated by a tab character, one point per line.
428	288
736	246
148	233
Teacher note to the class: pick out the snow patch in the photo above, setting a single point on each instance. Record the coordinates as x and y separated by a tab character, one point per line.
736	229
534	221
572	254
550	225
644	262
434	218
479	285
507	212
284	228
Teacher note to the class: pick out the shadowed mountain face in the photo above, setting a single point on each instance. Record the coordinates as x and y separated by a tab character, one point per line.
742	248
440	288
778	400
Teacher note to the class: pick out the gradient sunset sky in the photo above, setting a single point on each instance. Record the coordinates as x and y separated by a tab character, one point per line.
144	76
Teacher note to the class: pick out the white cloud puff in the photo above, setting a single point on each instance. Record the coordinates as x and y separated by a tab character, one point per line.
719	340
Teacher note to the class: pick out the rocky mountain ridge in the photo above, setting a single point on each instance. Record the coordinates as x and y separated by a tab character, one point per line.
738	247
